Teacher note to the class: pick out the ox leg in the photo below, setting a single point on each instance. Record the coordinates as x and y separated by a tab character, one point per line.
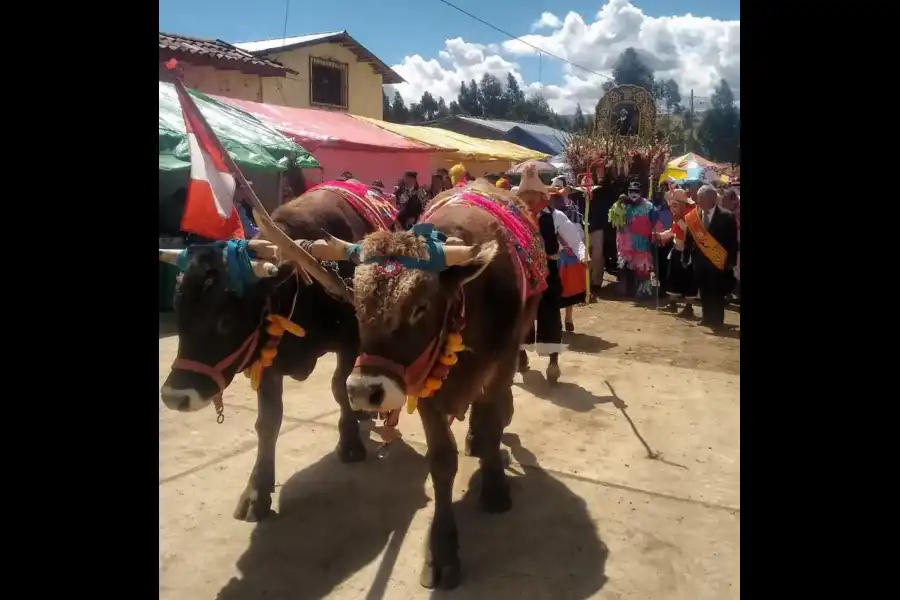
350	447
255	503
441	568
490	415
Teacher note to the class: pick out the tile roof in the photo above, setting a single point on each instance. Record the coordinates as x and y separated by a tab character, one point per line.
217	53
342	38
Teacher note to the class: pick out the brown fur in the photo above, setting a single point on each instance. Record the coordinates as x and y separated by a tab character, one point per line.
495	320
331	326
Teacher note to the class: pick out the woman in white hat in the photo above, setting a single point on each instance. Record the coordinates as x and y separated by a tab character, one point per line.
554	226
679	278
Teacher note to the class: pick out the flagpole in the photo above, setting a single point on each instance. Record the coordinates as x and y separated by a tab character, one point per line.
261	213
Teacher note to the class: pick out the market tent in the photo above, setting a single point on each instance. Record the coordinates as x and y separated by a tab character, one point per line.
342	143
251	143
480	157
691	166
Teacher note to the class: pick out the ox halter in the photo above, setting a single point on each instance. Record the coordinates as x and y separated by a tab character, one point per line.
237	257
414	374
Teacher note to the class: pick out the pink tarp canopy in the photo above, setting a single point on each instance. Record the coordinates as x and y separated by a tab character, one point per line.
341	143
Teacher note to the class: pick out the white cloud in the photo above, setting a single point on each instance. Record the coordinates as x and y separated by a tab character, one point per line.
459	61
695	51
547	20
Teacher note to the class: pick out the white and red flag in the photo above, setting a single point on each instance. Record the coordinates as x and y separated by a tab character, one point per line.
209	210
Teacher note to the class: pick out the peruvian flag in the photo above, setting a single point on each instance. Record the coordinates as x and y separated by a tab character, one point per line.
209	210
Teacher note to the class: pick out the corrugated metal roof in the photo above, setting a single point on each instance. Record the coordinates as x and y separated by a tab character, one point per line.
501	125
265	45
548	139
388	75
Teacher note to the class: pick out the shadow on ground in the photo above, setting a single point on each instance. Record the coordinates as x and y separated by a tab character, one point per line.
564	394
586	343
546	548
335	519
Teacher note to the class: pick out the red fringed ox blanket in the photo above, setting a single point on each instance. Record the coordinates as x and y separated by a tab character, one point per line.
371	203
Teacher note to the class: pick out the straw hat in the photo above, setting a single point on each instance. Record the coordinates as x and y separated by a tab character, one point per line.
531	182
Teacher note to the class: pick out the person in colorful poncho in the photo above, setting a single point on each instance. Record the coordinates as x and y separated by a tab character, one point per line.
633	241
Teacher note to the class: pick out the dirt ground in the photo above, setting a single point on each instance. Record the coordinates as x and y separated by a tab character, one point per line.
593	515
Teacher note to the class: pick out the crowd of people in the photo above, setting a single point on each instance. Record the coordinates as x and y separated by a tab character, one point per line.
687	235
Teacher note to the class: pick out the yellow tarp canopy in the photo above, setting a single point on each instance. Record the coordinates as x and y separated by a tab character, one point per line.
464	146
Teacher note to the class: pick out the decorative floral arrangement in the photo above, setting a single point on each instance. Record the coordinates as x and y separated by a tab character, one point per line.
617	214
616	156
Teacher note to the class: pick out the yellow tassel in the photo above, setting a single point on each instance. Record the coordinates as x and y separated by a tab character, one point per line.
288	325
255	372
433	384
454	339
448	359
412	402
454	347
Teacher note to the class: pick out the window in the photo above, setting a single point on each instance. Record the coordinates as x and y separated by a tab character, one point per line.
327	83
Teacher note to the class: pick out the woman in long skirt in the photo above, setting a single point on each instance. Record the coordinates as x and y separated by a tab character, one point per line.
680	282
572	271
553	225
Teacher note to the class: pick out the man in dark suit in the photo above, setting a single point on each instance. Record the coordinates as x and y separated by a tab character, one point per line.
711	246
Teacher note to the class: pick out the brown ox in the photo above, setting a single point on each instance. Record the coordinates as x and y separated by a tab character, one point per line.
404	315
221	331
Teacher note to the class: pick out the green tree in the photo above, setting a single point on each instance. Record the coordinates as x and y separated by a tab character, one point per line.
468	98
579	123
429	106
719	133
667	92
454	108
399	112
514	99
490	97
442	110
630	69
537	110
416	113
386	107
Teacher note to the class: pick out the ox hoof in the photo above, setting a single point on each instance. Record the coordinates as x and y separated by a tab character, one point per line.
522	363
352	451
444	577
253	506
470	441
495	497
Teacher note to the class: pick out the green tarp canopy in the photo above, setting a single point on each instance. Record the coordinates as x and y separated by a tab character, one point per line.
251	143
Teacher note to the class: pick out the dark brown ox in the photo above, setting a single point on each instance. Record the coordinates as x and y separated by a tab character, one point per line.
403	312
221	331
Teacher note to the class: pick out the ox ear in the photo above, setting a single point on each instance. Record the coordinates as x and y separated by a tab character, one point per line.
464	272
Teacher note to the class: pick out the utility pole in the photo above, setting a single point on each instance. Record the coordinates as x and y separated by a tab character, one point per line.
690	138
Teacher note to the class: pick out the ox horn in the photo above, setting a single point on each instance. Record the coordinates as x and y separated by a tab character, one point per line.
291	251
458	255
261	268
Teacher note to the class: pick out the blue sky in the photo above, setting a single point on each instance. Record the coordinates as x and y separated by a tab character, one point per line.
395	29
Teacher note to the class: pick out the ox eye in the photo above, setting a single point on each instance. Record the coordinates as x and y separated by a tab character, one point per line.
418	312
223	325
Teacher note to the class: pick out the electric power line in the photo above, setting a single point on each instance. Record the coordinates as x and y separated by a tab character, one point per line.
518	39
